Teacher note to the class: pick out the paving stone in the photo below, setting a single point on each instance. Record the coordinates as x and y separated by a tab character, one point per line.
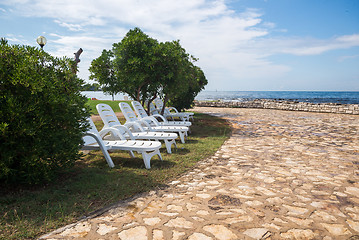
175	208
353	225
220	232
245	218
323	216
136	233
199	236
79	230
179	222
281	175
256	233
352	190
336	229
295	210
300	234
103	229
176	235
151	221
157	235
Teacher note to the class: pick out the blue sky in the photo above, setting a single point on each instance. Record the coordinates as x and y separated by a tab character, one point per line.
241	44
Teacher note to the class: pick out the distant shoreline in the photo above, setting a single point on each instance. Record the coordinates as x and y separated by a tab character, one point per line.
339	97
286	105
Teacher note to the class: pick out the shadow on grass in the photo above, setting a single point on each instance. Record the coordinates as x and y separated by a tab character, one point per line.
75	194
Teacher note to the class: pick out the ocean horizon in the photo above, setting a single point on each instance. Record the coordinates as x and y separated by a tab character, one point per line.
342	97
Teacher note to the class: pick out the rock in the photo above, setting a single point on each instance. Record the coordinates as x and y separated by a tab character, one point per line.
220	232
151	221
179	222
336	229
256	233
136	233
157	235
79	230
199	236
103	229
353	225
299	234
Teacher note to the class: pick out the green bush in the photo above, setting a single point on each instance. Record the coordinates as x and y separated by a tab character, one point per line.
42	114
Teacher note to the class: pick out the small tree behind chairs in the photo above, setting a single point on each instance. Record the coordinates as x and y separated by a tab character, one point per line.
145	69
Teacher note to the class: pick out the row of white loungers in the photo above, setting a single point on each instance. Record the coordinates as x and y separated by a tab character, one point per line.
141	134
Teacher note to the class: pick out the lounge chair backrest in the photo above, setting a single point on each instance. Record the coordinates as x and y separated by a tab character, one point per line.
158	103
140	111
90	140
153	109
127	111
108	116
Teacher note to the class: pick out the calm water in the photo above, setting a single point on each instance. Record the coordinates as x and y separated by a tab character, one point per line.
302	96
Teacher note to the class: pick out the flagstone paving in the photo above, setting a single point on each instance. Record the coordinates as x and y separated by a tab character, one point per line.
281	175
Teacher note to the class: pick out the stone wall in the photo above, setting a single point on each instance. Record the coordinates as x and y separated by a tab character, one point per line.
285	105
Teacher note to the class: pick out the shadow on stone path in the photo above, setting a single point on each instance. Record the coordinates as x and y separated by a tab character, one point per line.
281	175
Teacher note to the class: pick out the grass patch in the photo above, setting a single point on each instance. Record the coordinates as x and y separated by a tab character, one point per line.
91	185
113	104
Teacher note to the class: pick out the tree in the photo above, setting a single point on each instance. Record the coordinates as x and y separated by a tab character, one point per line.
102	70
43	114
180	81
128	67
145	69
196	82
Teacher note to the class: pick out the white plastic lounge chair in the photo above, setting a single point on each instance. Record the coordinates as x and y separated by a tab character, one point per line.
93	140
142	114
146	123
186	116
133	130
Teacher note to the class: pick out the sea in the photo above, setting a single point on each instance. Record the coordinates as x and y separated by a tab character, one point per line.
341	97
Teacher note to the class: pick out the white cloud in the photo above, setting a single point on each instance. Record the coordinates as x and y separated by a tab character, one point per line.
344	58
71	27
302	47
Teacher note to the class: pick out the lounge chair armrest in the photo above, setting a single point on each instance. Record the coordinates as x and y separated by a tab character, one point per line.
172	108
126	130
112	130
135	125
159	116
143	123
151	119
102	147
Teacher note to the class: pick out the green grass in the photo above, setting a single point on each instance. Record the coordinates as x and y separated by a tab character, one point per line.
26	213
113	104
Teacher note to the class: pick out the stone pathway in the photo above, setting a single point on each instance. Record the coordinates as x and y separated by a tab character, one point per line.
281	175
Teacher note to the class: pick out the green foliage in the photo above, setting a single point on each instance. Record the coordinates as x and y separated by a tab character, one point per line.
145	69
42	114
91	87
196	82
113	104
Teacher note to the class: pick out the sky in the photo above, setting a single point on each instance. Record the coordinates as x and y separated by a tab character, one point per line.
242	45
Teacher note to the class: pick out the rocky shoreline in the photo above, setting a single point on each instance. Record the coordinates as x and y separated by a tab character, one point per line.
285	105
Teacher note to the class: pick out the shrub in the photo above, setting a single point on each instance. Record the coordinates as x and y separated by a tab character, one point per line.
42	114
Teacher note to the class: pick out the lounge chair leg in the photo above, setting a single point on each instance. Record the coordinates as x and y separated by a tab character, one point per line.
159	155
169	144
132	154
181	134
146	159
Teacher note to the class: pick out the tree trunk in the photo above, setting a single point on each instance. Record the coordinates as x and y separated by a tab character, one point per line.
77	60
164	105
148	104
